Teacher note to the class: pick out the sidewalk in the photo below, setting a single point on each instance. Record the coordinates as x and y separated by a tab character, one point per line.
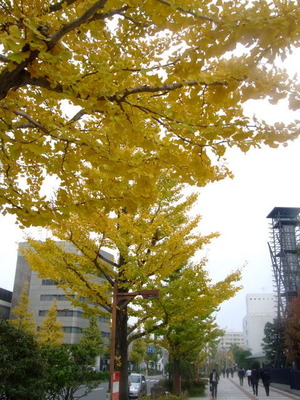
230	389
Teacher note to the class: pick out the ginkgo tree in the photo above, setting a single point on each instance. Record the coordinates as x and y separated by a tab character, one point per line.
50	330
104	95
186	310
20	316
148	246
100	98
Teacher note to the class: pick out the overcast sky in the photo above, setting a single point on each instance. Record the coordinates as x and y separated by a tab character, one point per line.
237	208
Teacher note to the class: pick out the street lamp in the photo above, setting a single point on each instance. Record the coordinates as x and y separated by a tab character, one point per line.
117	297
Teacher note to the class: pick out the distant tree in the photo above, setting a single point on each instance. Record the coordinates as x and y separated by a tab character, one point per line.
240	356
186	306
69	366
152	356
292	331
22	371
91	342
50	330
138	352
273	344
21	318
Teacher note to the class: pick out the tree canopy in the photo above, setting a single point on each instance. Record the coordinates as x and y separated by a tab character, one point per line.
107	105
105	95
273	344
152	246
292	331
50	331
21	318
22	368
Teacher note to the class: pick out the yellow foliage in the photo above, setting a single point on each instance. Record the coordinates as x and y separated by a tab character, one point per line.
147	83
21	318
50	331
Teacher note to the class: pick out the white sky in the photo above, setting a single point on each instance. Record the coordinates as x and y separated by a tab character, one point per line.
238	208
264	179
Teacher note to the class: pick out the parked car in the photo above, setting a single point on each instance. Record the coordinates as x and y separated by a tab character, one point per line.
137	385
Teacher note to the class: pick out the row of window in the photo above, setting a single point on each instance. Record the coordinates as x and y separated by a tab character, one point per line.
48	282
63	313
72	314
76	329
58	297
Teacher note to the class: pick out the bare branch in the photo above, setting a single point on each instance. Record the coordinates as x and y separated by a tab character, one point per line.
31	120
59	6
190	12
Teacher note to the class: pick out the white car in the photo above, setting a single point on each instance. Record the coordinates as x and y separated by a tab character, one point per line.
137	386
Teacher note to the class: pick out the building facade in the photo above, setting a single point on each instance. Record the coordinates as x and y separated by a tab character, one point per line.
231	338
260	309
43	292
5	303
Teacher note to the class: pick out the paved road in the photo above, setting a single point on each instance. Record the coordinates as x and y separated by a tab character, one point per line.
230	389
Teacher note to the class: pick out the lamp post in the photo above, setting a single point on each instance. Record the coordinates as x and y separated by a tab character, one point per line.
117	297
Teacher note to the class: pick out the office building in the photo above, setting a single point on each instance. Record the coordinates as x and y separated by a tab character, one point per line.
42	293
231	338
5	303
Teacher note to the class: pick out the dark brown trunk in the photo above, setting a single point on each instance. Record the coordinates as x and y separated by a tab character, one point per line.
122	352
177	378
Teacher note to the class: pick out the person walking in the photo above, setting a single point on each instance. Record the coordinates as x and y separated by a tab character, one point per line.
266	380
213	381
248	375
241	374
254	380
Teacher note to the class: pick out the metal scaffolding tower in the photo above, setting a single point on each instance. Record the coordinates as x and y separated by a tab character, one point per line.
284	249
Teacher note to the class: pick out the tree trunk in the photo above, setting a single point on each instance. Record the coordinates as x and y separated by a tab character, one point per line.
177	378
121	364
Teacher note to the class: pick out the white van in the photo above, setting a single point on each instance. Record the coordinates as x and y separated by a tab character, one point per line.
137	386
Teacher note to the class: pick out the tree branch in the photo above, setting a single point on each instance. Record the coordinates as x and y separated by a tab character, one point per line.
59	6
3	58
31	121
190	12
76	23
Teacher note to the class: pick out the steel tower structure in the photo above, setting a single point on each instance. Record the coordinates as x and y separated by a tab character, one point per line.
284	249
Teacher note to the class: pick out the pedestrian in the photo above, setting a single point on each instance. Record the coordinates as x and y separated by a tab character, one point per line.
213	381
223	372
248	375
241	374
254	380
266	380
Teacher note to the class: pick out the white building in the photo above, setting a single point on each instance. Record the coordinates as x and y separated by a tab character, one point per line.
260	309
231	338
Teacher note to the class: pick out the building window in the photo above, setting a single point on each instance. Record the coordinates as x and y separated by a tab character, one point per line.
104	319
71	329
48	282
58	297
